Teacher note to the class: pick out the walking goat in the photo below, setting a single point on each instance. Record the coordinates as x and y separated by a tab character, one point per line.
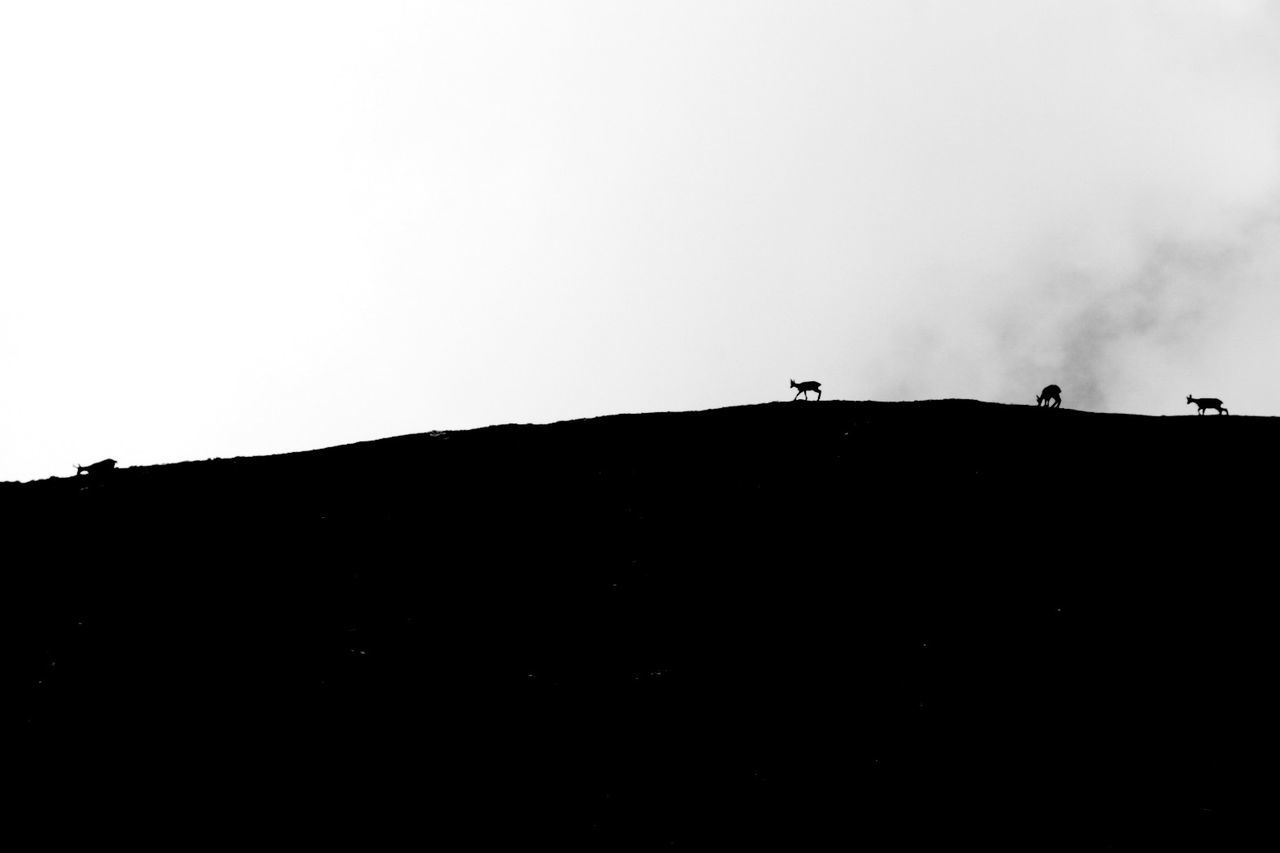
804	388
1207	403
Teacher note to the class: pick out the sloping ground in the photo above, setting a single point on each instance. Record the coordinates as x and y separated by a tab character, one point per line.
901	626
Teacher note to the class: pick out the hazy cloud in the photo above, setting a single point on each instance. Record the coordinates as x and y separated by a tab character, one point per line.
258	227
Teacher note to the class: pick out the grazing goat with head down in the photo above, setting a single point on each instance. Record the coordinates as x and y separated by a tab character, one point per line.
1051	396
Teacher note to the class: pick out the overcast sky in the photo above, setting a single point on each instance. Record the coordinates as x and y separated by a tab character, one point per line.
235	228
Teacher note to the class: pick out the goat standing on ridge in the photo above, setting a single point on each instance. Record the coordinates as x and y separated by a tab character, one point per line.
97	469
1207	403
804	388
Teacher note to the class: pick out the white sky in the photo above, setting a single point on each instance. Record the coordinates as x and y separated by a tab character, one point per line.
237	228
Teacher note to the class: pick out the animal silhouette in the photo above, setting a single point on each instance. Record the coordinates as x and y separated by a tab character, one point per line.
1207	403
804	388
97	469
1051	396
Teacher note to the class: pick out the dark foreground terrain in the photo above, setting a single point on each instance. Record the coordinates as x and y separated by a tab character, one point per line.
939	625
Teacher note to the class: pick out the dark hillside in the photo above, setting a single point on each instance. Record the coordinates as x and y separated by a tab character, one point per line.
902	625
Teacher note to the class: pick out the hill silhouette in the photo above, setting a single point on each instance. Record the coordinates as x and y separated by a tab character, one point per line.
897	625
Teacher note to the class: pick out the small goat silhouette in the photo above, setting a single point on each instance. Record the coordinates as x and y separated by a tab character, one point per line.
1051	396
97	469
1207	403
804	388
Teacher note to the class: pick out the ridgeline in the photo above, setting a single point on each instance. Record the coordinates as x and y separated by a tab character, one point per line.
920	625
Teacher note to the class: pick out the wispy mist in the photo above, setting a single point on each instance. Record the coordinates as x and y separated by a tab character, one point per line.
267	226
1124	220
